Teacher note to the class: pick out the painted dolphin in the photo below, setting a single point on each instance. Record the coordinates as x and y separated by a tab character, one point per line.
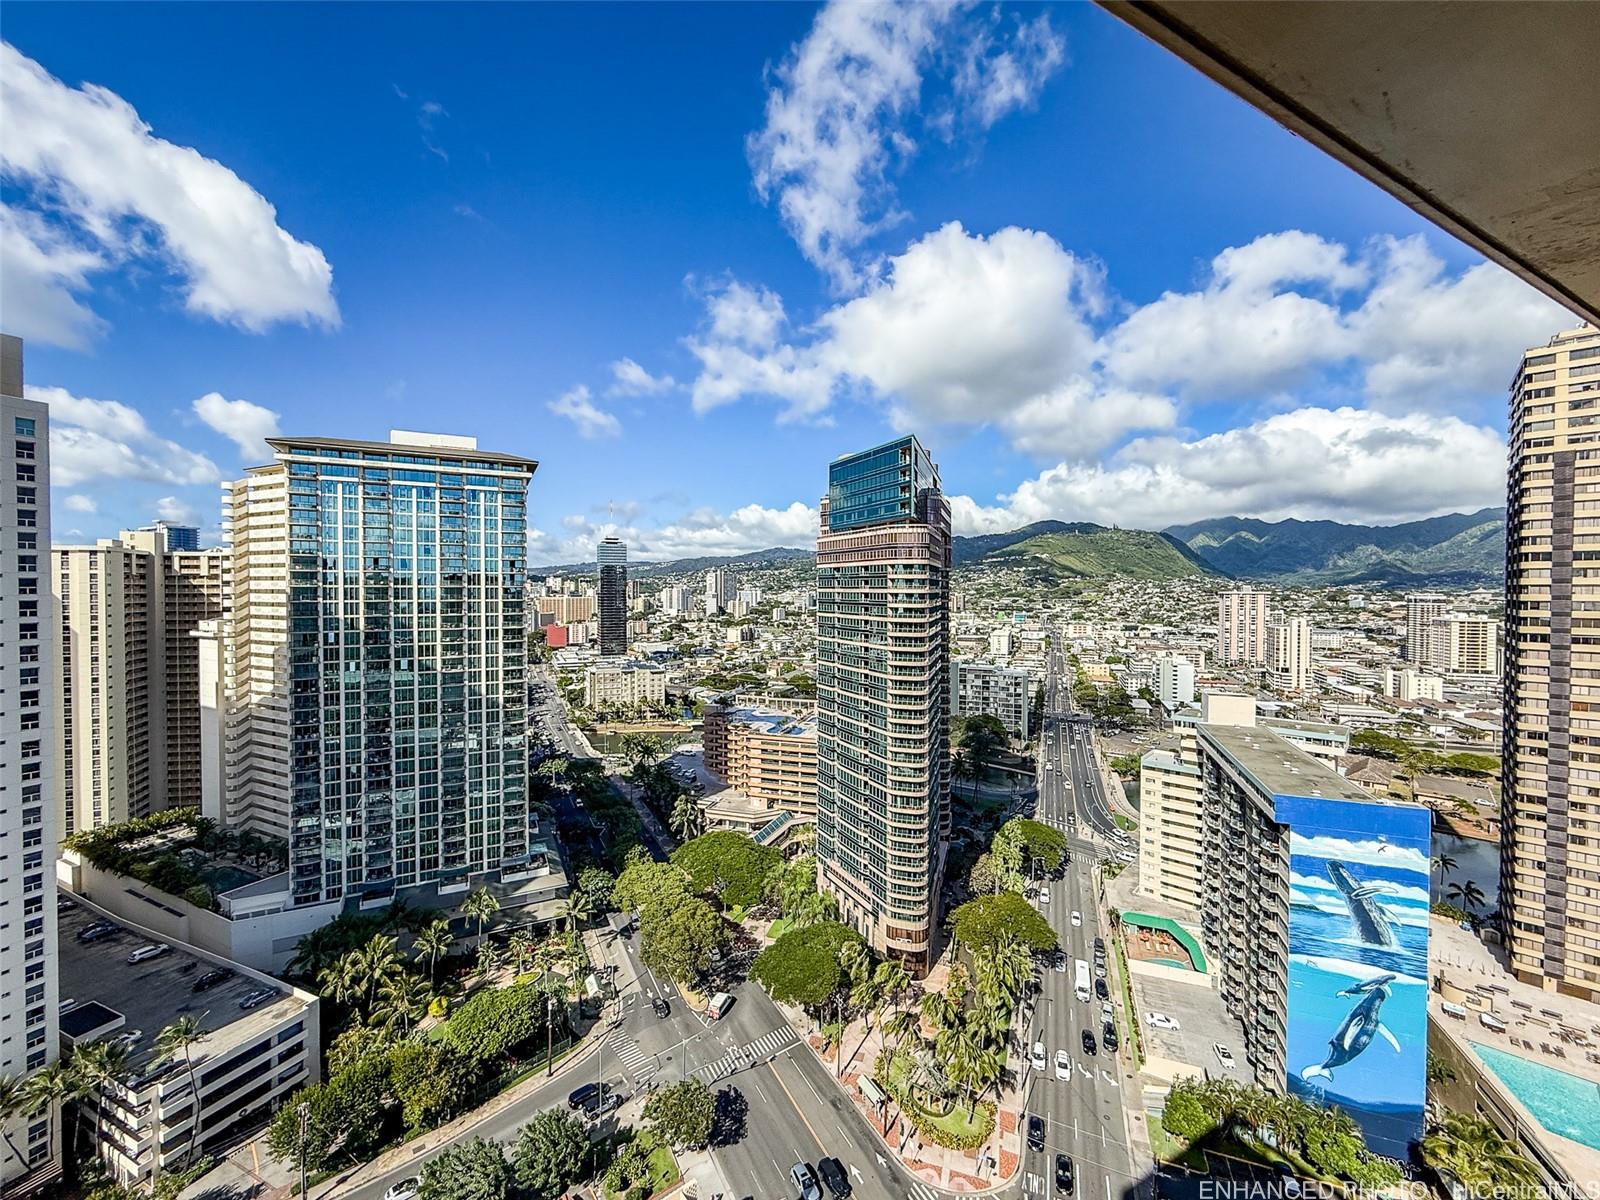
1369	918
1355	1032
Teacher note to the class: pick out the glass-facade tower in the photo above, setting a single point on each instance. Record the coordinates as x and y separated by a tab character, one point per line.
883	727
611	557
406	653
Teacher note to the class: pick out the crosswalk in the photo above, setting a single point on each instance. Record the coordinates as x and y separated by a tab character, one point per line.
634	1060
764	1047
923	1192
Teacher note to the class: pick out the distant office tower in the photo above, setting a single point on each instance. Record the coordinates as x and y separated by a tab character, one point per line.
883	755
1421	609
129	706
172	537
1174	682
611	555
1001	642
985	689
1242	628
1464	644
1289	654
674	600
1550	804
29	836
374	644
721	588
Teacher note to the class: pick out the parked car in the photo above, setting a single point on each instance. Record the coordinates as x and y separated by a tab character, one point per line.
256	998
1224	1056
210	979
581	1096
718	1006
1089	1044
1100	988
1099	945
1064	1175
1106	1010
1063	1065
1160	1020
805	1181
833	1174
606	1102
406	1189
1036	1057
147	952
1108	1035
1035	1132
1060	960
97	931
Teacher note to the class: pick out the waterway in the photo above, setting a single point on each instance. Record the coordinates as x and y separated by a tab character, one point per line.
1476	860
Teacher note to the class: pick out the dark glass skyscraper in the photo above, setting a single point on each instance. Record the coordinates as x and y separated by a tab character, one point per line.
883	725
611	555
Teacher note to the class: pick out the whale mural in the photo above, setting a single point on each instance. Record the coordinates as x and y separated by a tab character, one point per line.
1356	1031
1371	923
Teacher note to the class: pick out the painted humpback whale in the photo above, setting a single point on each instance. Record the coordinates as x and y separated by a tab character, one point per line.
1356	1031
1371	923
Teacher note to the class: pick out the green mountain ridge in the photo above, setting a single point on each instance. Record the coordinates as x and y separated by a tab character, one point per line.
1095	552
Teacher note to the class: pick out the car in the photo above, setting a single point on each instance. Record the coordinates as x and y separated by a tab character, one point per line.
1108	1035
1077	918
1063	1065
1100	968
805	1181
1160	1020
660	1007
606	1102
1064	1175
1044	896
833	1174
406	1189
130	1037
210	979
62	904
68	1005
1061	962
579	1097
1090	1046
1035	1132
256	997
718	1006
1099	945
149	951
96	931
1100	988
1224	1056
1036	1057
1106	1010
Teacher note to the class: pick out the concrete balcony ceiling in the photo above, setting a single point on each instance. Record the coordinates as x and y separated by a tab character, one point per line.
1484	118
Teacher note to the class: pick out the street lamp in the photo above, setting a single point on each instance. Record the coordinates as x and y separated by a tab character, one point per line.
549	1033
303	1111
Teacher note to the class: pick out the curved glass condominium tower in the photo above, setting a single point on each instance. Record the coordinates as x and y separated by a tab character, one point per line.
883	724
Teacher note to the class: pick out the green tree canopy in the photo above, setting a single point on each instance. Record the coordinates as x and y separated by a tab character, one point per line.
679	941
682	1114
494	1020
728	865
987	921
474	1170
432	1081
802	967
551	1153
645	883
1037	840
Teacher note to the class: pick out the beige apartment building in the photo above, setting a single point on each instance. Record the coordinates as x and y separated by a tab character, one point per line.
1242	628
1289	654
128	706
1550	774
565	610
767	753
622	684
1464	644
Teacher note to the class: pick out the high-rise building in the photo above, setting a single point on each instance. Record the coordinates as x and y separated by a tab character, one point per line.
171	536
566	609
1550	807
1464	644
883	729
373	663
978	688
611	555
1001	642
1289	654
721	588
674	600
29	1003
1242	628
1421	609
1174	682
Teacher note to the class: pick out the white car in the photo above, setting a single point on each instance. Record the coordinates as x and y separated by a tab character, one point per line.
1061	963
1063	1065
1106	1011
1036	1057
1044	895
1224	1055
1157	1020
406	1189
1077	918
153	950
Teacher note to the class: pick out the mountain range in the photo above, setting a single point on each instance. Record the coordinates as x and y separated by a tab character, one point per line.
1461	550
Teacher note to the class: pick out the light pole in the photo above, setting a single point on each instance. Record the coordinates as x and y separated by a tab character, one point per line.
549	1034
303	1111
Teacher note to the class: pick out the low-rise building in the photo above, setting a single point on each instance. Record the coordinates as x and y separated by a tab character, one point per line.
768	754
624	684
979	688
260	1042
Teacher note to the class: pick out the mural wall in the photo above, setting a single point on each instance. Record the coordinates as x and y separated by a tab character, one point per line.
1358	962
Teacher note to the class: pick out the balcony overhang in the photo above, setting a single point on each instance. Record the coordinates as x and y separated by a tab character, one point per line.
1480	117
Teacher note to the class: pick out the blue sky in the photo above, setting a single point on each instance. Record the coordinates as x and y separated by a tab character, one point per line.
686	255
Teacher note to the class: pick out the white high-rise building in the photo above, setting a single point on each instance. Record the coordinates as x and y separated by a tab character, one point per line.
1001	642
984	688
1464	644
674	600
1289	654
1421	609
29	1000
1174	682
721	588
1242	628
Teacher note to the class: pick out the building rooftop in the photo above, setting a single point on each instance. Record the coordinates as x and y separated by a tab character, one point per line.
1281	769
776	723
1166	760
442	447
115	996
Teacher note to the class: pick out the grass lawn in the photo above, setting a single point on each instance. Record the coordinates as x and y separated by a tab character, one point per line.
663	1168
780	927
1162	1144
955	1123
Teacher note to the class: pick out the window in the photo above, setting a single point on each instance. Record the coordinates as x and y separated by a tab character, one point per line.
25	427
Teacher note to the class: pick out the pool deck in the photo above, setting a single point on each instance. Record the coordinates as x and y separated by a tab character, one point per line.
1543	1027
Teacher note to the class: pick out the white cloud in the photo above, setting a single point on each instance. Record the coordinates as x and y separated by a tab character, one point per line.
170	508
700	532
43	271
630	379
591	421
247	425
93	440
837	118
741	355
79	504
1342	464
96	167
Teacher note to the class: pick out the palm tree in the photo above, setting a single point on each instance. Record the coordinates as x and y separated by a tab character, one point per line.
686	819
579	907
342	979
102	1066
1444	864
404	1000
1467	894
181	1037
480	906
641	750
46	1091
903	1024
1473	1151
375	964
13	1104
552	770
522	948
434	940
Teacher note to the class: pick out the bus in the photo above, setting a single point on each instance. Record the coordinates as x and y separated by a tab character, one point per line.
1080	979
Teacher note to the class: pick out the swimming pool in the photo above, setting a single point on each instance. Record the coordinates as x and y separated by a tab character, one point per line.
1563	1103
